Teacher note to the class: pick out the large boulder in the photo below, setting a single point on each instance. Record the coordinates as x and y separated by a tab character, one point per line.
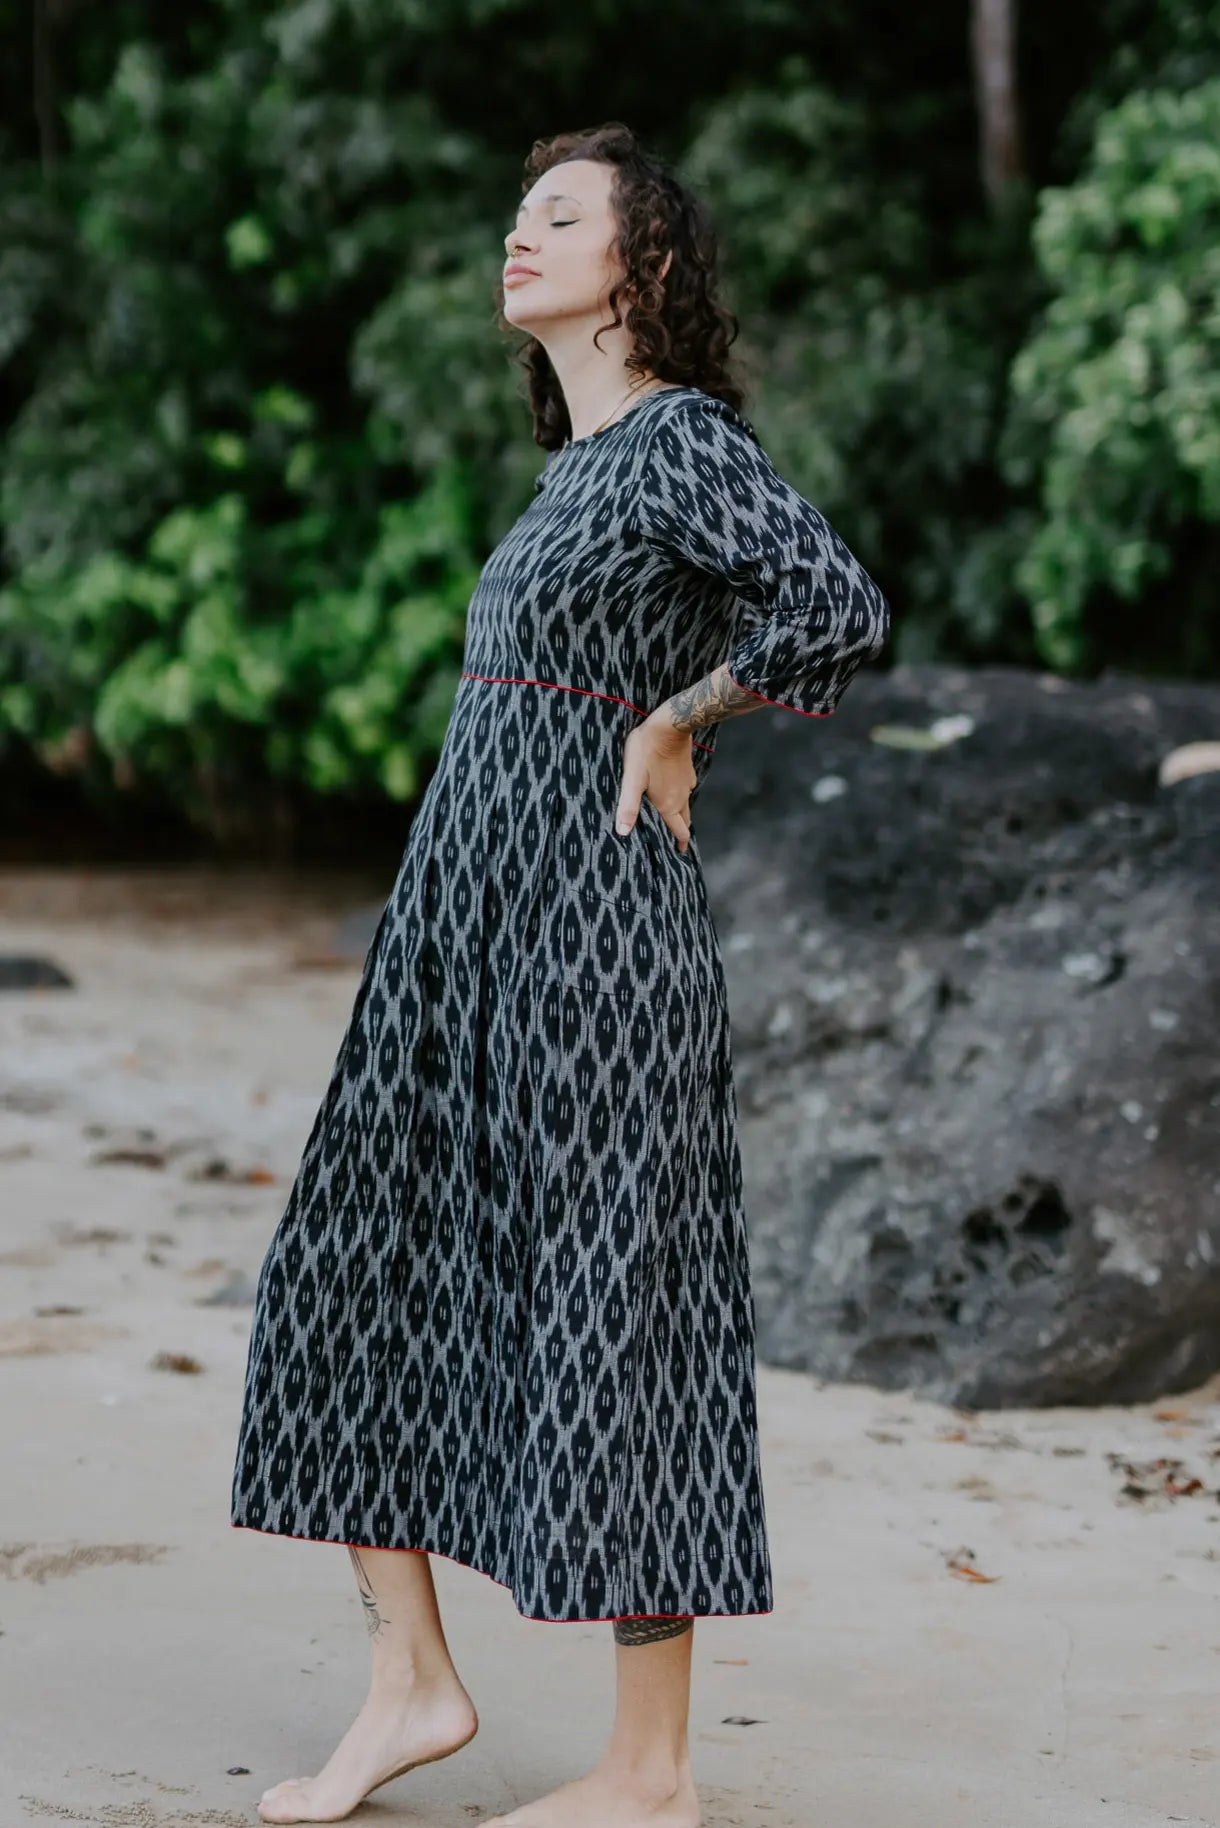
973	953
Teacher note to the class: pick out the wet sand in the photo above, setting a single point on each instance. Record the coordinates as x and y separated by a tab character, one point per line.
1006	1618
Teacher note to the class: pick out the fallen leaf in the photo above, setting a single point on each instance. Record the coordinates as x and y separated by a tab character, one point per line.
174	1361
960	1562
129	1158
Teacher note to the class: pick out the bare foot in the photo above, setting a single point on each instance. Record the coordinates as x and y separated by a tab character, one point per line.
388	1736
611	1797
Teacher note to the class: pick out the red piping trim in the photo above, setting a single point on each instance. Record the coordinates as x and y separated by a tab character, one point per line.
399	1550
777	701
497	679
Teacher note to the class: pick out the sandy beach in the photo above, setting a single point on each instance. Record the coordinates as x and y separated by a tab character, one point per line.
994	1620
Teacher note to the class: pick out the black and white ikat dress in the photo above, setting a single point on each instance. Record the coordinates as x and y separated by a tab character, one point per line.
507	1316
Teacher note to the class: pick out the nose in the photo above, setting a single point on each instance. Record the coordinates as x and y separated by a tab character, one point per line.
517	241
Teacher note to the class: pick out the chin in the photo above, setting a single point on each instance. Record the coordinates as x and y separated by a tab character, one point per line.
532	322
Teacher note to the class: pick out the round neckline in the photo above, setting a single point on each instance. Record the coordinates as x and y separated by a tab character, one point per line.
673	387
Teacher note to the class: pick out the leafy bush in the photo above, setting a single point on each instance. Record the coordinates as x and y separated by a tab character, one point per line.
1116	397
221	573
225	654
260	426
879	339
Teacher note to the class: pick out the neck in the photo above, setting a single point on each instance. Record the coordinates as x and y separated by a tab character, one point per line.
594	382
627	401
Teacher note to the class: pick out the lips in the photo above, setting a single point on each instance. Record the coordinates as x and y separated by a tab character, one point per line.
515	270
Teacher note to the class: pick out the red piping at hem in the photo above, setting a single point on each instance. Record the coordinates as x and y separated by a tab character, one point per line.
777	701
401	1550
498	679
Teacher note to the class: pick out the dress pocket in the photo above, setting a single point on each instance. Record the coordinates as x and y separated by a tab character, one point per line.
661	840
611	912
590	860
602	946
591	922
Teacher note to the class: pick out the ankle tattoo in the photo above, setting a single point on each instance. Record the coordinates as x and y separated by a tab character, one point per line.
651	1630
368	1599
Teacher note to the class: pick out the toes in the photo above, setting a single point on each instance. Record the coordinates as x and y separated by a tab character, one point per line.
282	1795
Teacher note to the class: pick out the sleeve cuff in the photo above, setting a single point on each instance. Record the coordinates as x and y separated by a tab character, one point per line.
816	695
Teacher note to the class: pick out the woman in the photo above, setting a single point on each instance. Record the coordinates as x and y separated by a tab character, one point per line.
507	1315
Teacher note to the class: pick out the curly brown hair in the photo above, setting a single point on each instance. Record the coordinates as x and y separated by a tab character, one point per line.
680	331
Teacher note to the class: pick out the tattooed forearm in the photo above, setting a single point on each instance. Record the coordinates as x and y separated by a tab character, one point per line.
373	1617
710	701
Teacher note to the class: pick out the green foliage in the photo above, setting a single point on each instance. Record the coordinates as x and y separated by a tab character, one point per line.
880	349
1116	397
193	675
260	424
220	574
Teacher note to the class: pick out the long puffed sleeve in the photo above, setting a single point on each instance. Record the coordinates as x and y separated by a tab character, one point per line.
712	498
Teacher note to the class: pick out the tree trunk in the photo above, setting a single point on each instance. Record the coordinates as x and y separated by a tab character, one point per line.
993	31
46	84
50	18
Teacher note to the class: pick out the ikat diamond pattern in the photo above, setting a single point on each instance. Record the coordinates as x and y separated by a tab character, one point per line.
506	1315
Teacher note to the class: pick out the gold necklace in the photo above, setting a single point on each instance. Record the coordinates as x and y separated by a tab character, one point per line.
634	388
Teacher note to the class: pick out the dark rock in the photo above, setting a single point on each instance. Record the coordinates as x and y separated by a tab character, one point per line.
975	991
26	972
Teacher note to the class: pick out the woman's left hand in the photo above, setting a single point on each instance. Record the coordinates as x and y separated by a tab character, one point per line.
657	762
